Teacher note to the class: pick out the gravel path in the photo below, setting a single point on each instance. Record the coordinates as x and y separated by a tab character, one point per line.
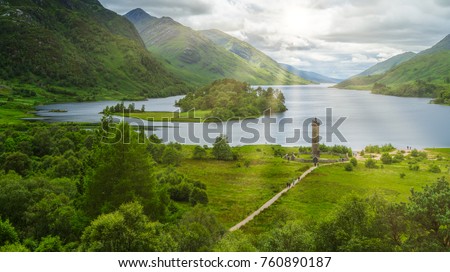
271	201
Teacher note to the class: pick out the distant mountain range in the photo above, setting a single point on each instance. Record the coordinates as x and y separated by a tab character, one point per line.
200	57
78	48
314	77
424	74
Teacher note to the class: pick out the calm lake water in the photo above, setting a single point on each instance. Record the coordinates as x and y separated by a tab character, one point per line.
369	119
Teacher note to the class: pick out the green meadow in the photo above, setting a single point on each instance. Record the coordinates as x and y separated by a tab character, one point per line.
235	191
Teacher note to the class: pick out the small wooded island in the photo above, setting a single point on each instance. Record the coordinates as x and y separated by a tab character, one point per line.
221	100
229	98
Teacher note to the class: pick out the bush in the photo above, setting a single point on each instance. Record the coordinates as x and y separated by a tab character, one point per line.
378	149
348	167
371	163
247	163
198	196
398	158
171	156
181	192
222	150
278	151
386	158
304	149
402	175
434	169
354	162
199	153
414	167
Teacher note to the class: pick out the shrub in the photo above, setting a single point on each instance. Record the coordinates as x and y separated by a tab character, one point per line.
181	192
371	163
278	151
199	153
354	162
198	196
398	157
434	169
171	156
386	158
414	167
222	150
348	167
247	163
402	175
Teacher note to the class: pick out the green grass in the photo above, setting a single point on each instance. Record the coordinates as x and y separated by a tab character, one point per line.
13	116
158	116
317	195
235	192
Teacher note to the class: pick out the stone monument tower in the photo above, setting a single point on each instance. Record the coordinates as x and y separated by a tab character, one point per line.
315	138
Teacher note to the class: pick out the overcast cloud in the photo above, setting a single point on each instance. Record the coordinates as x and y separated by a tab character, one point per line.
337	38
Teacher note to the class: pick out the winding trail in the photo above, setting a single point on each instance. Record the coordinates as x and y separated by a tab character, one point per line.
271	201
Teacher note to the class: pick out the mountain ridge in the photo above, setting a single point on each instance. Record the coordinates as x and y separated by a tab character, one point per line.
195	58
388	64
312	76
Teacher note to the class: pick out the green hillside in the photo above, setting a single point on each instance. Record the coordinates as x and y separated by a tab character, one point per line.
425	75
76	50
248	53
195	58
388	64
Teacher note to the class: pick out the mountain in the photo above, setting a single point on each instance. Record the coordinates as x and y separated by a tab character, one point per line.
314	77
388	64
443	45
426	74
197	59
78	48
139	18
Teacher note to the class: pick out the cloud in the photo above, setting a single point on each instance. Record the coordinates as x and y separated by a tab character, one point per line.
443	3
333	37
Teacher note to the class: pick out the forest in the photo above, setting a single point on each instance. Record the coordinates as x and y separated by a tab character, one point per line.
66	188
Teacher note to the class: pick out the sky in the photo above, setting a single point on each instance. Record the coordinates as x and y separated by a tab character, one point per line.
337	38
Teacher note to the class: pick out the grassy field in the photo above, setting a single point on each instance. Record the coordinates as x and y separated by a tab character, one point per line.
317	195
235	190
